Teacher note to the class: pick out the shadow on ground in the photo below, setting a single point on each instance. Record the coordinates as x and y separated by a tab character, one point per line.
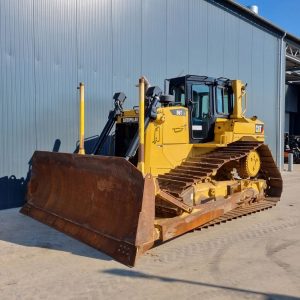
22	230
141	275
12	191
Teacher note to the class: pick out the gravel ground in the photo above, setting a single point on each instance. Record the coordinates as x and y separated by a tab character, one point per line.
255	257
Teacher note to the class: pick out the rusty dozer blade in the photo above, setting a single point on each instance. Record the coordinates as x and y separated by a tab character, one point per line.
102	201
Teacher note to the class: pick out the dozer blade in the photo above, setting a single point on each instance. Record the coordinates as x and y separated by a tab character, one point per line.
102	201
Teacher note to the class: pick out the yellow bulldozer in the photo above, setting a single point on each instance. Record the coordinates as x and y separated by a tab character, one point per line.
183	159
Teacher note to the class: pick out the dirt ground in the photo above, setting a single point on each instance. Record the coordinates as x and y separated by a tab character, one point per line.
255	257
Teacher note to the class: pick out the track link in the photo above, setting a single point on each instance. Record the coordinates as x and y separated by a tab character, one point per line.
240	212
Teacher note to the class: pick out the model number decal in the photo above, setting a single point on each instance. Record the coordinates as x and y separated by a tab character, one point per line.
259	128
178	112
197	127
129	120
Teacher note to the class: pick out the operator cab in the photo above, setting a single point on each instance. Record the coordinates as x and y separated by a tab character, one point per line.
206	99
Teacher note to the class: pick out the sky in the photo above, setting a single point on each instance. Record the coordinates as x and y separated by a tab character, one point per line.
283	13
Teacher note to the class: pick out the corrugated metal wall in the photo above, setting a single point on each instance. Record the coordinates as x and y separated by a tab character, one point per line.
47	47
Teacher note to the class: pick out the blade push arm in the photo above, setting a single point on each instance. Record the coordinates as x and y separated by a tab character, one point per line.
112	117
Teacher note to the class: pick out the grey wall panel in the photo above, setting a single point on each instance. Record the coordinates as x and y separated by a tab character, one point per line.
231	46
154	40
198	37
56	72
257	77
245	44
215	41
17	119
270	108
177	38
17	99
95	62
127	43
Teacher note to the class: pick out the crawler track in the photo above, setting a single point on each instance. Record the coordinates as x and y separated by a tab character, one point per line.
199	169
206	167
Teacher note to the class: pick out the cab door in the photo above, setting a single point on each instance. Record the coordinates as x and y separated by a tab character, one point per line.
201	116
175	130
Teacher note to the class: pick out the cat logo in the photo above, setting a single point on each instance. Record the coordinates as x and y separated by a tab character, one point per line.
178	112
259	128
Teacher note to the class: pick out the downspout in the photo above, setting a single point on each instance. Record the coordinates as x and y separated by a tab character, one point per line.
281	102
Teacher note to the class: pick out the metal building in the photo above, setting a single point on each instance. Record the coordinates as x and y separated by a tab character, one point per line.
47	47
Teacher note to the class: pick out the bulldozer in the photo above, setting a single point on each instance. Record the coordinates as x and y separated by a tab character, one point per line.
182	159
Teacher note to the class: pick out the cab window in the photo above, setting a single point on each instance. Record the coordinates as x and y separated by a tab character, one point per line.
200	99
223	101
179	94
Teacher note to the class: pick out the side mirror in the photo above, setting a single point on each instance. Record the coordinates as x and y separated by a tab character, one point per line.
119	99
